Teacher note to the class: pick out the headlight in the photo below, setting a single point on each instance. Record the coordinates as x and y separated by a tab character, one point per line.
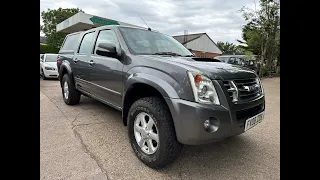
203	89
258	81
49	68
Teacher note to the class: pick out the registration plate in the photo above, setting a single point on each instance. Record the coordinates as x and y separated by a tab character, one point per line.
253	121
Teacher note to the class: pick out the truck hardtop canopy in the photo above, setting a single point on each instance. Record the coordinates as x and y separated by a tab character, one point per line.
82	22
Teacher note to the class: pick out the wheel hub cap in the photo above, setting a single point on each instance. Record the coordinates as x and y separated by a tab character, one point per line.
66	90
146	133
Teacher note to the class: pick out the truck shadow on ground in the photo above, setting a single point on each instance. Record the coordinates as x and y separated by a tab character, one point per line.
231	153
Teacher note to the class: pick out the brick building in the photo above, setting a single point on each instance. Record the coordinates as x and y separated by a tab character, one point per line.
200	44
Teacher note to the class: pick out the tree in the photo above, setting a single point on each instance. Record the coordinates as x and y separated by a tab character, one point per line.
44	48
227	47
262	32
251	39
50	19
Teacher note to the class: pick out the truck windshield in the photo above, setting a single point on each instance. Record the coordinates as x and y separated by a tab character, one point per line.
147	42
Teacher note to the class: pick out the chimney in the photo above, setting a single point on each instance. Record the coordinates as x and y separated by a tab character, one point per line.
185	38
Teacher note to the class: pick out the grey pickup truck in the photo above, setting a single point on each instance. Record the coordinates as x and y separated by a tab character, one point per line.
167	96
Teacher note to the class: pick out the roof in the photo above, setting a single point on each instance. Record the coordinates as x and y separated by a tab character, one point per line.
43	39
118	26
189	37
112	26
192	37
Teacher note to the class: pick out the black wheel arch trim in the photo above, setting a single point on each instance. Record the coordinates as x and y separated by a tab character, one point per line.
66	66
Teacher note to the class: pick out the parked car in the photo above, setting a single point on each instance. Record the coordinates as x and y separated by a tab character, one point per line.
254	65
167	98
240	60
48	66
232	59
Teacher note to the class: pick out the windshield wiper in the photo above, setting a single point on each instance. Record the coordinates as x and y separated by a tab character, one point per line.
167	53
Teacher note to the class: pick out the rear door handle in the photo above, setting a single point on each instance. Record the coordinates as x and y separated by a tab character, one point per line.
91	62
75	60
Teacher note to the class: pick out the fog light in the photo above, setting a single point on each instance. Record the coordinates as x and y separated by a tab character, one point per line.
211	125
206	124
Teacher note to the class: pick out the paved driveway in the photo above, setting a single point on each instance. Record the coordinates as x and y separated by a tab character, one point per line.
89	141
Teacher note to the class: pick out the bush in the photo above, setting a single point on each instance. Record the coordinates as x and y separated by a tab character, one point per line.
44	48
264	72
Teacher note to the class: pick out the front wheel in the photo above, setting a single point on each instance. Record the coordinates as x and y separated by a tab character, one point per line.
71	96
151	132
43	76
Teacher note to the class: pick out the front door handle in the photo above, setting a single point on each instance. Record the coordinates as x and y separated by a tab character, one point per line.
91	62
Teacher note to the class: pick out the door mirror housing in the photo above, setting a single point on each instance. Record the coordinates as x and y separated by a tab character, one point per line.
106	49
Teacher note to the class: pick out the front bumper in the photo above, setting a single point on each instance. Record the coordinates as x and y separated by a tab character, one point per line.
51	73
189	118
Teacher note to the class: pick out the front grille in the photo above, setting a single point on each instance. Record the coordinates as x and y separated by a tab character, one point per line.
244	93
243	89
243	115
228	87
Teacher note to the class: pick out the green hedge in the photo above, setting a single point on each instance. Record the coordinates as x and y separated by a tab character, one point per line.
264	72
44	48
271	71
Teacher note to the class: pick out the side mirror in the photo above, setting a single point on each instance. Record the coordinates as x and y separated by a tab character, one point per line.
106	49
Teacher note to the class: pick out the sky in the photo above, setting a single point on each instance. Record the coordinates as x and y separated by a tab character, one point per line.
220	19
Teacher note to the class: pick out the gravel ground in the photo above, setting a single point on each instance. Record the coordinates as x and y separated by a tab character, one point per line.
89	141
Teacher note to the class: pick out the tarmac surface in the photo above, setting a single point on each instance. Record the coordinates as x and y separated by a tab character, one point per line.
89	141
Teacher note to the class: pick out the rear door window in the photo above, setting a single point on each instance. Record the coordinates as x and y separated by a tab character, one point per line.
70	42
86	44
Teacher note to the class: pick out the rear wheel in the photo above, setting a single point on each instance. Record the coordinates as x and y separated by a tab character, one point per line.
71	96
151	132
